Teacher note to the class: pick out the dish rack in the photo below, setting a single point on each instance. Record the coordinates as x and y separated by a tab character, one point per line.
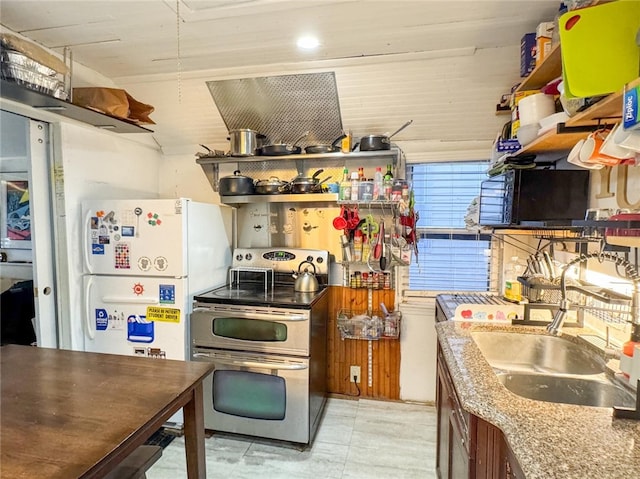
23	70
372	325
605	304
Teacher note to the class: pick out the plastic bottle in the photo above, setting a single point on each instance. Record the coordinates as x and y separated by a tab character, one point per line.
344	192
378	186
366	248
512	287
354	186
626	358
357	245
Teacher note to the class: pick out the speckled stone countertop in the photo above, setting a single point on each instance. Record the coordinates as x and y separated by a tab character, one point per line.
549	440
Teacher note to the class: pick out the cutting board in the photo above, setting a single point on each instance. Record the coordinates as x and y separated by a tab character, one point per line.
599	49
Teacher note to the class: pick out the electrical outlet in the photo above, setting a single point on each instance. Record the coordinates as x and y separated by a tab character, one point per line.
354	374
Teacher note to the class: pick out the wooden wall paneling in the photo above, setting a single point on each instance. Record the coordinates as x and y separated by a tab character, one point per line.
342	353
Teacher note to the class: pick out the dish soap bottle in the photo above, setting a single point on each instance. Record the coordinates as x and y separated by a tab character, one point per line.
626	358
344	191
512	287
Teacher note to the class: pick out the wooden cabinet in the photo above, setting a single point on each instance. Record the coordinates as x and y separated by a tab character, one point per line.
467	446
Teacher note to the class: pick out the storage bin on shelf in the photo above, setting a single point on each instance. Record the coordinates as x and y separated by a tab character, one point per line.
369	326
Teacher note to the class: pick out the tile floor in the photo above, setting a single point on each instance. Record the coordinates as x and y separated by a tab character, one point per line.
357	439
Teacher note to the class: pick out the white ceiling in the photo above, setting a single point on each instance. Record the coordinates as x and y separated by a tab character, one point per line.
138	37
394	60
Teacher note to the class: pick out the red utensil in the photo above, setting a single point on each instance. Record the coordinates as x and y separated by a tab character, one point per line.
340	222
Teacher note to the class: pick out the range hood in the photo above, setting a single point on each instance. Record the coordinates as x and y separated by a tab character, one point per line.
282	107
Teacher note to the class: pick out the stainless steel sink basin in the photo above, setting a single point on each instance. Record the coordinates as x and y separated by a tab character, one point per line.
536	353
568	390
552	369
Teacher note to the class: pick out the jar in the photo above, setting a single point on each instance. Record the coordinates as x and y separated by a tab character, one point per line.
365	190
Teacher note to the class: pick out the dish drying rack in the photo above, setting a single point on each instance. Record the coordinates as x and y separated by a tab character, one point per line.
605	304
234	276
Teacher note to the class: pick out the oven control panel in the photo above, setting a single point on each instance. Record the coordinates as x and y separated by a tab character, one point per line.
281	259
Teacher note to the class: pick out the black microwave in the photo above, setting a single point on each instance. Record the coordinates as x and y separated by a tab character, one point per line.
518	197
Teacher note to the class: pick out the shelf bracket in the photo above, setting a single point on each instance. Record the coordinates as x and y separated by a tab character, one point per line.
563	128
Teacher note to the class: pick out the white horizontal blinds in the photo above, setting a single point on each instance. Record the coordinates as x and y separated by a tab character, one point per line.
450	258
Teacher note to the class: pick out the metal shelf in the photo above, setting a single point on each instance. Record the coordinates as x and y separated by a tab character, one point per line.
40	101
298	198
355	155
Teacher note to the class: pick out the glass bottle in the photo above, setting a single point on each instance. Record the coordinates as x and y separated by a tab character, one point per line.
344	192
378	188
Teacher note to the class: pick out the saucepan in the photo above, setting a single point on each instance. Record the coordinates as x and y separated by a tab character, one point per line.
380	142
272	186
303	184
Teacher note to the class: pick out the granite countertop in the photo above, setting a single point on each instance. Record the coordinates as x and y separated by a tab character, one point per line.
549	440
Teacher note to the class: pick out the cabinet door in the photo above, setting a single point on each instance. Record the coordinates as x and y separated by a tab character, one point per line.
444	413
458	454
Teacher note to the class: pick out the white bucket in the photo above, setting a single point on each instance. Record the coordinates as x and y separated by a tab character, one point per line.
533	108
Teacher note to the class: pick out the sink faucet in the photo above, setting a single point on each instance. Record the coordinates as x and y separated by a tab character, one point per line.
630	273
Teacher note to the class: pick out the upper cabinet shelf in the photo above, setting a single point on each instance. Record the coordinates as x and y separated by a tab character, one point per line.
12	91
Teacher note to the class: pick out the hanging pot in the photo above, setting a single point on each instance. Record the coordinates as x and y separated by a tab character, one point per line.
280	149
244	142
332	148
272	186
236	185
380	142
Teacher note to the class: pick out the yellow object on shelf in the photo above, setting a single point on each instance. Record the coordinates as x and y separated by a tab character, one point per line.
599	49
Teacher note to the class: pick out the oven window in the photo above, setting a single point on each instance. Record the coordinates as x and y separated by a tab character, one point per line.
249	329
248	394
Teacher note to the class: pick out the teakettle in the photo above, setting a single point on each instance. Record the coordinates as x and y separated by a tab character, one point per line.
306	282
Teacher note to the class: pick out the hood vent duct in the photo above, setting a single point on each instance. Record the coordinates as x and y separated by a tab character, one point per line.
283	107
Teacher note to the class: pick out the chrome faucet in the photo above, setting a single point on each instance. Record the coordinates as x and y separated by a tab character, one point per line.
630	273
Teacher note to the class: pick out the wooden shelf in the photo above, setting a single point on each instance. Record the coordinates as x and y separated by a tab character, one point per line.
548	70
607	111
12	91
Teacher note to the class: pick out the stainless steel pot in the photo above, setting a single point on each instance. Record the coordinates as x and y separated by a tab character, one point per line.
272	186
303	184
244	142
380	142
236	185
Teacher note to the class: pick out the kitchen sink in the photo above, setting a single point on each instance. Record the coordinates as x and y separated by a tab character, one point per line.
552	369
568	389
536	353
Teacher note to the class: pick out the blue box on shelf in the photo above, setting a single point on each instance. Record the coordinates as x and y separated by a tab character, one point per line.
527	54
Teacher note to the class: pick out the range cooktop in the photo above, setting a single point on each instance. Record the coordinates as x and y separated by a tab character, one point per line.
255	295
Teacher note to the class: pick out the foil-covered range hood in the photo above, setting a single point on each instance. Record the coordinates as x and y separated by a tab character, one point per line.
282	107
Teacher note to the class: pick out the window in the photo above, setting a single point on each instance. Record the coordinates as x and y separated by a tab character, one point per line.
450	257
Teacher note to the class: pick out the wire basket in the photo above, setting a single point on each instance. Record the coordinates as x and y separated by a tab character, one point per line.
370	326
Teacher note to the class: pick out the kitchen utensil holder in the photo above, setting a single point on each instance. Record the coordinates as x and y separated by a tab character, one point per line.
368	326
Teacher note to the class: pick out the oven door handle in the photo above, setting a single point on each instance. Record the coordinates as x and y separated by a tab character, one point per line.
257	316
252	364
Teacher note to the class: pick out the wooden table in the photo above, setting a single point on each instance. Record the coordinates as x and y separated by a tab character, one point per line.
70	414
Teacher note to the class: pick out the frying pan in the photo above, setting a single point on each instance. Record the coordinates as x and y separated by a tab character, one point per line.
279	149
333	147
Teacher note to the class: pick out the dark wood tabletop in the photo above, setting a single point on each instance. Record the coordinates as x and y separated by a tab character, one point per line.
71	414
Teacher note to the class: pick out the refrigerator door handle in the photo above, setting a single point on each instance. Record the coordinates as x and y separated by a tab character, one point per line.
128	300
87	295
85	242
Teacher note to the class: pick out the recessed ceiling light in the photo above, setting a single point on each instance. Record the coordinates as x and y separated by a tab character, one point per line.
308	42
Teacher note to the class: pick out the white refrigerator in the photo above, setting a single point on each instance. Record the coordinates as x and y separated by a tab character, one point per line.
144	260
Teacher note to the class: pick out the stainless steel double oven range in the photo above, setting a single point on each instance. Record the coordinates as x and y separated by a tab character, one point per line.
267	344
